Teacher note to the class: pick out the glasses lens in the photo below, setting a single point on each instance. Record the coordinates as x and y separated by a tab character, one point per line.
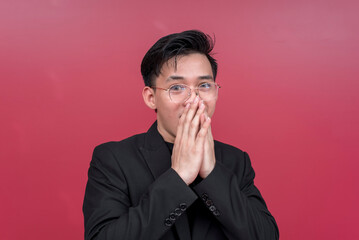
207	91
179	93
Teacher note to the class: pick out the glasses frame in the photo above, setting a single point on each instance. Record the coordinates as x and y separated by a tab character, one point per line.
190	90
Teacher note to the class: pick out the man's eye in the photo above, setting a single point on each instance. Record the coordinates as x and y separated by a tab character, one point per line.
205	86
177	88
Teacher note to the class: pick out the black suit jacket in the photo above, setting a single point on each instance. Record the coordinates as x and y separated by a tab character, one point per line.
133	193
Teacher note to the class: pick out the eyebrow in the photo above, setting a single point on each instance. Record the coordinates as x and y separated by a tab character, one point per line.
175	77
206	77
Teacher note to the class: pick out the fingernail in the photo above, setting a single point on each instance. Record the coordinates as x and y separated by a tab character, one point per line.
187	105
201	105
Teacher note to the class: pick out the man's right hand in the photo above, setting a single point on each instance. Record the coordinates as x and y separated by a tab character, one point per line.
188	149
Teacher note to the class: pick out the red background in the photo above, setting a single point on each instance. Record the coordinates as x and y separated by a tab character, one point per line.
70	79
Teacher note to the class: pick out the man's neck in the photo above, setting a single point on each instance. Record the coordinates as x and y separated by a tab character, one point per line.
165	135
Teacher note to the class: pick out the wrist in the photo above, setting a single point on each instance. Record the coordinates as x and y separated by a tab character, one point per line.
205	172
184	175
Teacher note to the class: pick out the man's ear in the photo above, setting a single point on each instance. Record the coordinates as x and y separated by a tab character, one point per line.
149	97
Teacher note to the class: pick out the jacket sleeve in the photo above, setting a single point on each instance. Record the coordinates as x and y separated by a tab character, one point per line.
107	207
232	197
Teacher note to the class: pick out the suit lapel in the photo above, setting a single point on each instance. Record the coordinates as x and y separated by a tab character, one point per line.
156	152
158	159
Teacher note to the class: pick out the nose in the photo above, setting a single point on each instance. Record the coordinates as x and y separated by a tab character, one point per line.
192	96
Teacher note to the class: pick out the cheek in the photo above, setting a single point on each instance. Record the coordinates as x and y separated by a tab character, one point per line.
171	111
210	108
174	111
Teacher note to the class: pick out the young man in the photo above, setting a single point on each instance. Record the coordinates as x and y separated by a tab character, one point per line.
175	181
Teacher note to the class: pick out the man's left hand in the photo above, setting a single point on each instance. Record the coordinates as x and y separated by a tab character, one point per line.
209	160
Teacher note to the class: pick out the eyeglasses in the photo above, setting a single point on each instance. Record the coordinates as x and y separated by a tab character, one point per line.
180	93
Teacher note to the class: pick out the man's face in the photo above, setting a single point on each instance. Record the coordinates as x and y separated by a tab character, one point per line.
191	70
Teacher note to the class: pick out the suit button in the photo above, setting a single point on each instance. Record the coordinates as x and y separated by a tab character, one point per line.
212	208
204	196
168	222
178	212
183	206
216	213
172	216
209	202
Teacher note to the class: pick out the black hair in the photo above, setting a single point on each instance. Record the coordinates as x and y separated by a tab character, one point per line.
174	45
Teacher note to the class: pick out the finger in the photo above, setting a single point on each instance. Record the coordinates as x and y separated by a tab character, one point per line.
180	125
210	137
189	117
203	118
195	124
193	109
203	133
